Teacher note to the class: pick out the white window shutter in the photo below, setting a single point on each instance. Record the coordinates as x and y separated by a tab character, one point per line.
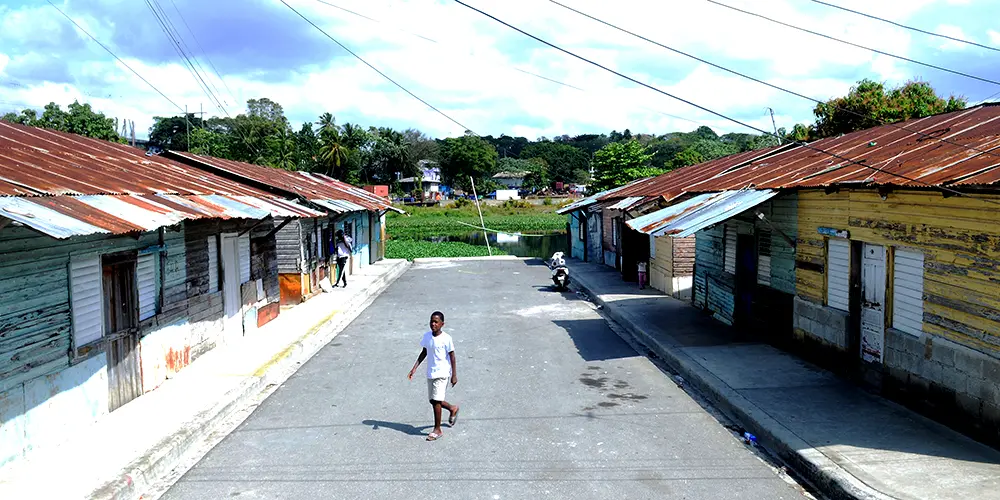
86	299
213	265
244	256
908	291
146	281
838	274
729	252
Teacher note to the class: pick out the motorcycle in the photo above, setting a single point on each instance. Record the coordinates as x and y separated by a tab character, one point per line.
560	273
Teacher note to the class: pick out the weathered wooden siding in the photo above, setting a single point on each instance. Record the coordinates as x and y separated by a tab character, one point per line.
816	209
607	243
289	248
714	287
576	224
684	253
784	217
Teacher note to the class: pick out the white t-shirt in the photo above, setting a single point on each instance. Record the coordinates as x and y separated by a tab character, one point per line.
438	363
342	250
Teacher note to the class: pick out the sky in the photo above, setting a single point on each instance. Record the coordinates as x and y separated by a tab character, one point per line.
483	75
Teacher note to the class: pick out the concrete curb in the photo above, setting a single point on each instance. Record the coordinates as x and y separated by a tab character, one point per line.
143	472
824	474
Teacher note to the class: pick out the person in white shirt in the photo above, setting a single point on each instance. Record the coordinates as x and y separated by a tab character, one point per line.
344	251
439	349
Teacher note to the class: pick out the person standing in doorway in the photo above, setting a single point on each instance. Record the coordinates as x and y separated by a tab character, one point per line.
344	251
439	349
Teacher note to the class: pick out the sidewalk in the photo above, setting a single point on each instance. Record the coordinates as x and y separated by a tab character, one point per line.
124	454
848	443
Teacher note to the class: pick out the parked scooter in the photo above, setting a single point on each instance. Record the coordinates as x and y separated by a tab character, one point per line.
560	273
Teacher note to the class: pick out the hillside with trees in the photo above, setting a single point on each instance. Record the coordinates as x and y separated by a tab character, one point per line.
364	155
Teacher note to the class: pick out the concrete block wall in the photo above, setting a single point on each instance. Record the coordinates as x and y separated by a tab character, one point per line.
825	324
947	381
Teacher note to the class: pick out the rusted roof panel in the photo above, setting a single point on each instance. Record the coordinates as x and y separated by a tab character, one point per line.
889	156
307	185
67	185
675	183
699	212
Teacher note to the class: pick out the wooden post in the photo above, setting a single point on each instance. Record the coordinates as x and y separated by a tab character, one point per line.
481	222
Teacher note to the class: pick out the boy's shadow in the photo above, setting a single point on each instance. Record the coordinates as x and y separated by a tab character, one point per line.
396	426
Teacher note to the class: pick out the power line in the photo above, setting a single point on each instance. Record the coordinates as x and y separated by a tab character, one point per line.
203	51
763	82
918	30
98	42
515	68
716	113
852	44
394	82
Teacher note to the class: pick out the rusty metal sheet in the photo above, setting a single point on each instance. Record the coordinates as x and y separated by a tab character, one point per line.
699	212
307	185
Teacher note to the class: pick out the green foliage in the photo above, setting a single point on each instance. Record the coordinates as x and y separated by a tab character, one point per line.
413	249
619	163
444	221
464	157
461	203
515	204
878	106
547	201
77	119
535	170
565	163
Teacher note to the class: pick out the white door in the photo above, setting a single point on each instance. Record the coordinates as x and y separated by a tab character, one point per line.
231	285
872	303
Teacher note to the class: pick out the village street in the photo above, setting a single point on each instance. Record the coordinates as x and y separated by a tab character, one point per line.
553	404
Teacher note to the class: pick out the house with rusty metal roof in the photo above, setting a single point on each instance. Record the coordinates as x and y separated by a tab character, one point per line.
875	254
117	270
306	250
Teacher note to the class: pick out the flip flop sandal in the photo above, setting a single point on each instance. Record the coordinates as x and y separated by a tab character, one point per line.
452	419
433	436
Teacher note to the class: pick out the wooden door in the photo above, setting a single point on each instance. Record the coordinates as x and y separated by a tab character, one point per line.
121	329
231	285
873	279
746	279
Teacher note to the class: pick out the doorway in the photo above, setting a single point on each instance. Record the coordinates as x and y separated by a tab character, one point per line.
873	283
233	325
121	327
746	279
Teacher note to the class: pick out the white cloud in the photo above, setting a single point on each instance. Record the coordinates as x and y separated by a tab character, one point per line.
954	32
470	71
994	37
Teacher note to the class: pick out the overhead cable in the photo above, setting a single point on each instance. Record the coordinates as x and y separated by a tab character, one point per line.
920	133
918	30
716	113
366	63
852	44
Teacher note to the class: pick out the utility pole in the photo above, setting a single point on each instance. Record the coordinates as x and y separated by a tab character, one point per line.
775	125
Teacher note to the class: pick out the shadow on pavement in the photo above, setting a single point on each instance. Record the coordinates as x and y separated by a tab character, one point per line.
396	426
593	341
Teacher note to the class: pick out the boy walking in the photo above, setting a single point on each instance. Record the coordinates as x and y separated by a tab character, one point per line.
439	350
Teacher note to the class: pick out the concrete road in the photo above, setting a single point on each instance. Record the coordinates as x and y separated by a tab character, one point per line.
553	404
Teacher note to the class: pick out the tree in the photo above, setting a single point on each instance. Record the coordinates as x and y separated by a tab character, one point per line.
205	141
420	145
464	157
308	148
869	104
535	170
78	119
282	148
333	153
619	163
172	132
565	163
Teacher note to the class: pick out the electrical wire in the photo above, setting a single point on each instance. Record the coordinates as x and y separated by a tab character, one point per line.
852	44
366	63
204	52
98	42
804	145
763	82
515	68
918	30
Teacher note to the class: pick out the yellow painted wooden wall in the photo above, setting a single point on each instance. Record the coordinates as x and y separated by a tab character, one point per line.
960	239
661	266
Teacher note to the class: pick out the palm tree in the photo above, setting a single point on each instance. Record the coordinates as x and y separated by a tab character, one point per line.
285	151
333	152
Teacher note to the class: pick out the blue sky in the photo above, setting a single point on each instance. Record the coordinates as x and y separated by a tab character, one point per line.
474	69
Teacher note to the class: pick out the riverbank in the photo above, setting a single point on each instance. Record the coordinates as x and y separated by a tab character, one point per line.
451	231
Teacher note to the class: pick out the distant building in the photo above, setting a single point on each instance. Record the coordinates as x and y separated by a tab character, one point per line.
512	180
429	182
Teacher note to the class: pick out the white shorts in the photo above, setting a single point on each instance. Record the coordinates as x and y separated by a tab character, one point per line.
436	388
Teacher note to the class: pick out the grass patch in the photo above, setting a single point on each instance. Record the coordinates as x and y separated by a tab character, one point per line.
443	221
411	249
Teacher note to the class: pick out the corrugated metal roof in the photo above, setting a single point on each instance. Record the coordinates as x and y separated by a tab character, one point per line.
594	198
68	185
695	214
309	186
339	206
626	203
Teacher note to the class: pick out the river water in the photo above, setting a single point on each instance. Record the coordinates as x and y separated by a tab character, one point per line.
542	246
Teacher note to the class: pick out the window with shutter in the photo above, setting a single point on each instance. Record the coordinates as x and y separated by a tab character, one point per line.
729	252
764	256
908	291
243	248
146	278
213	264
838	273
86	300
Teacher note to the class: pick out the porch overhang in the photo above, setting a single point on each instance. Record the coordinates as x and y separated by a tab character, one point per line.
688	217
